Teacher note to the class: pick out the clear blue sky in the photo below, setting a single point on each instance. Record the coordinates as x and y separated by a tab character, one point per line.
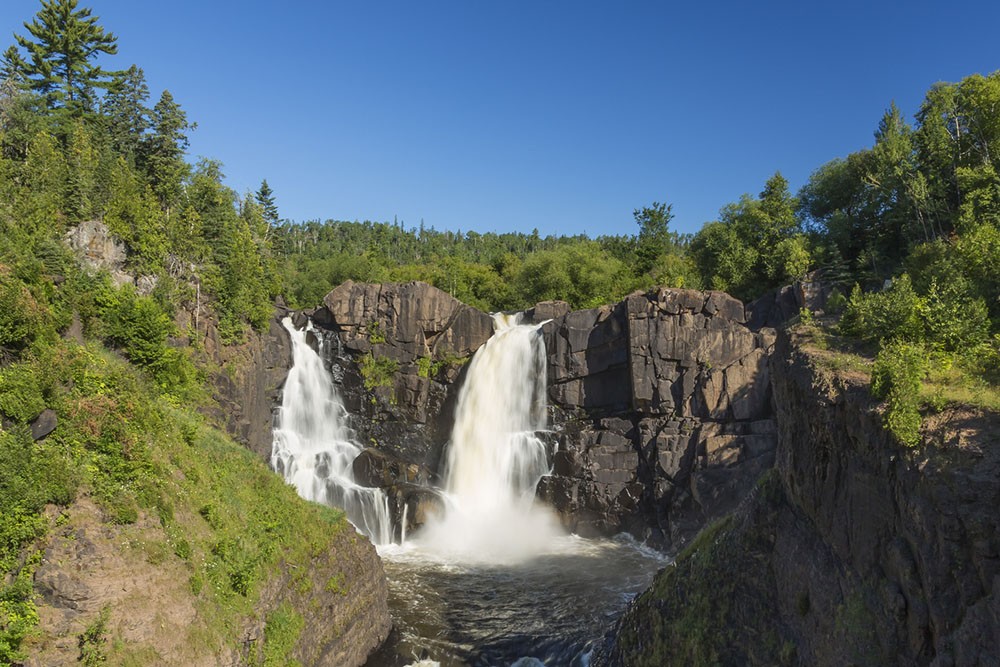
557	115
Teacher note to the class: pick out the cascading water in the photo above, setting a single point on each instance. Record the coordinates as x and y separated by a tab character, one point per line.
495	457
312	447
493	581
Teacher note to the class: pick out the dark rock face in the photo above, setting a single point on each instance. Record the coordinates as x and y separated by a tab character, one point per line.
662	409
660	405
855	551
424	337
248	389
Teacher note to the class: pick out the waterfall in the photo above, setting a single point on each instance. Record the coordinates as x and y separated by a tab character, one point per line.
494	456
313	448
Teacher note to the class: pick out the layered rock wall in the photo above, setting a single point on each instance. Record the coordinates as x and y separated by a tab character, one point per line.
662	412
855	550
660	404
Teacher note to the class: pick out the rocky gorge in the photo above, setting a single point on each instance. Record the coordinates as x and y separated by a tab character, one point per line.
673	410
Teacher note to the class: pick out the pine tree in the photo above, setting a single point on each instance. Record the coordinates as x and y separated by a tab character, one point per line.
60	63
12	66
265	199
162	152
125	109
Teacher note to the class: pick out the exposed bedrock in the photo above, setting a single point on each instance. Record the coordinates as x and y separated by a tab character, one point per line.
854	550
660	404
662	412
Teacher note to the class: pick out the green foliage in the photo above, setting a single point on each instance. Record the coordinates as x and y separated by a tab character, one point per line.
21	317
60	52
265	199
894	314
377	371
21	396
654	234
133	215
161	153
18	616
92	641
375	333
836	301
282	629
756	244
581	274
896	377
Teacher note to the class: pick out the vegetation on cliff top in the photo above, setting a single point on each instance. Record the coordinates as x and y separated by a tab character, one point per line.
100	364
78	142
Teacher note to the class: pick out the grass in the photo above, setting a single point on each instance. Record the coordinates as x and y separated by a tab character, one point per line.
221	513
835	353
949	384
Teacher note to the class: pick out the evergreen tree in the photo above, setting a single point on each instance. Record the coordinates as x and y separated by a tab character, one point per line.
162	154
125	111
60	64
12	66
265	199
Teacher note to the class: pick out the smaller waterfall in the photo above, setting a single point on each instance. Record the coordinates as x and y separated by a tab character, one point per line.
313	449
495	457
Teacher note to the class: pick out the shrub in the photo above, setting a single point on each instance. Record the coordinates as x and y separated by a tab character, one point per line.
896	377
955	321
21	316
897	313
377	371
836	302
21	396
281	632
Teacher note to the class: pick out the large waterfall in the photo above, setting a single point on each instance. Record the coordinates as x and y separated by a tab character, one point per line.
493	580
313	448
495	456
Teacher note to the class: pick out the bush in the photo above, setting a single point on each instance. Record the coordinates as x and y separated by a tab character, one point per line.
896	377
21	316
20	394
897	313
377	371
956	322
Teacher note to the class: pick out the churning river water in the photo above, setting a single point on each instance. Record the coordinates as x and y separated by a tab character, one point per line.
492	580
549	609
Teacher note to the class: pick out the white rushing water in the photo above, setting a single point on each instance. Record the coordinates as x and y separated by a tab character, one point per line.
495	457
313	448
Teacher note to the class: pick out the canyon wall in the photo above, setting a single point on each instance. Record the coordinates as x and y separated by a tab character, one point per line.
853	550
660	405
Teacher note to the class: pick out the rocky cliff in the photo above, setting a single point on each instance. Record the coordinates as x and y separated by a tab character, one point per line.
118	594
662	412
854	550
660	405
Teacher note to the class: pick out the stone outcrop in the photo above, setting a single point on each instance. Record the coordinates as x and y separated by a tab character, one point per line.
662	412
91	568
99	249
660	405
398	350
854	550
248	382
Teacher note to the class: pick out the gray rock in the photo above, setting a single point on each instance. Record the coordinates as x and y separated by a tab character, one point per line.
44	424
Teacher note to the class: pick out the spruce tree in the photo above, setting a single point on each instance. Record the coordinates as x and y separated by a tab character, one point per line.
124	108
265	199
162	152
61	48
